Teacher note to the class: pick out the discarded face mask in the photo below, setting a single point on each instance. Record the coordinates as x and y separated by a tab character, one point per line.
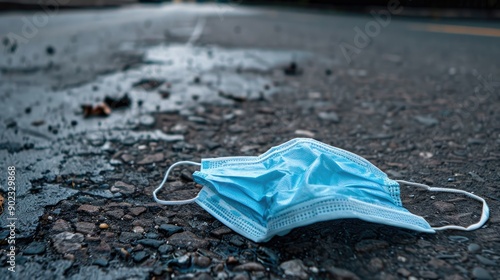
301	182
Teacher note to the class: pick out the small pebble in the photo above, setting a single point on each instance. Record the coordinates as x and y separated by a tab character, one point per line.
295	269
147	120
115	162
313	95
375	265
101	262
237	240
123	253
370	245
291	69
447	256
425	155
329	116
481	274
339	273
165	248
158	270
50	50
306	133
151	242
458	238
201	261
460	152
140	256
34	248
403	272
152	235
473	248
186	175
250	266
443	207
183	261
476	177
485	260
168	230
138	229
240	276
427	120
461	269
428	274
103	226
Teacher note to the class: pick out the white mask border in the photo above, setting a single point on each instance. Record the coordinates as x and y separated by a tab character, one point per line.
485	211
174	202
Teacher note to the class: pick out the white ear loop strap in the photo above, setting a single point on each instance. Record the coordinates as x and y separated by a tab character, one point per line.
484	216
174	202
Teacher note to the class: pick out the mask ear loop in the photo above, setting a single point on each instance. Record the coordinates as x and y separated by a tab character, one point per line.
174	202
484	216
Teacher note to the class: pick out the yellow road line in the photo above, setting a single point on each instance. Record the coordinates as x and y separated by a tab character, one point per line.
458	29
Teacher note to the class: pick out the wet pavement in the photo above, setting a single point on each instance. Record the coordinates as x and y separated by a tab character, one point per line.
184	82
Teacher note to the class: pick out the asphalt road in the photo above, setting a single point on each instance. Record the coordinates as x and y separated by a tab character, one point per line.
53	62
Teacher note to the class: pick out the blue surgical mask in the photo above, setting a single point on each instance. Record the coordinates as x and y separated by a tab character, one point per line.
301	182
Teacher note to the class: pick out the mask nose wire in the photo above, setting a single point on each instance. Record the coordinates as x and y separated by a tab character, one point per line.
485	212
174	202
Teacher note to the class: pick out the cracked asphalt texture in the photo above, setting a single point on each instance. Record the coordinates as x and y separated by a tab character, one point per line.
210	81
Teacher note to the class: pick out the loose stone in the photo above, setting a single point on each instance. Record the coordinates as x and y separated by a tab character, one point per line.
249	266
473	248
295	268
101	262
481	274
103	226
168	230
34	248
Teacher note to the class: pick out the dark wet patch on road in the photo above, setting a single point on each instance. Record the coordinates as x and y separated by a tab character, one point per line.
52	138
